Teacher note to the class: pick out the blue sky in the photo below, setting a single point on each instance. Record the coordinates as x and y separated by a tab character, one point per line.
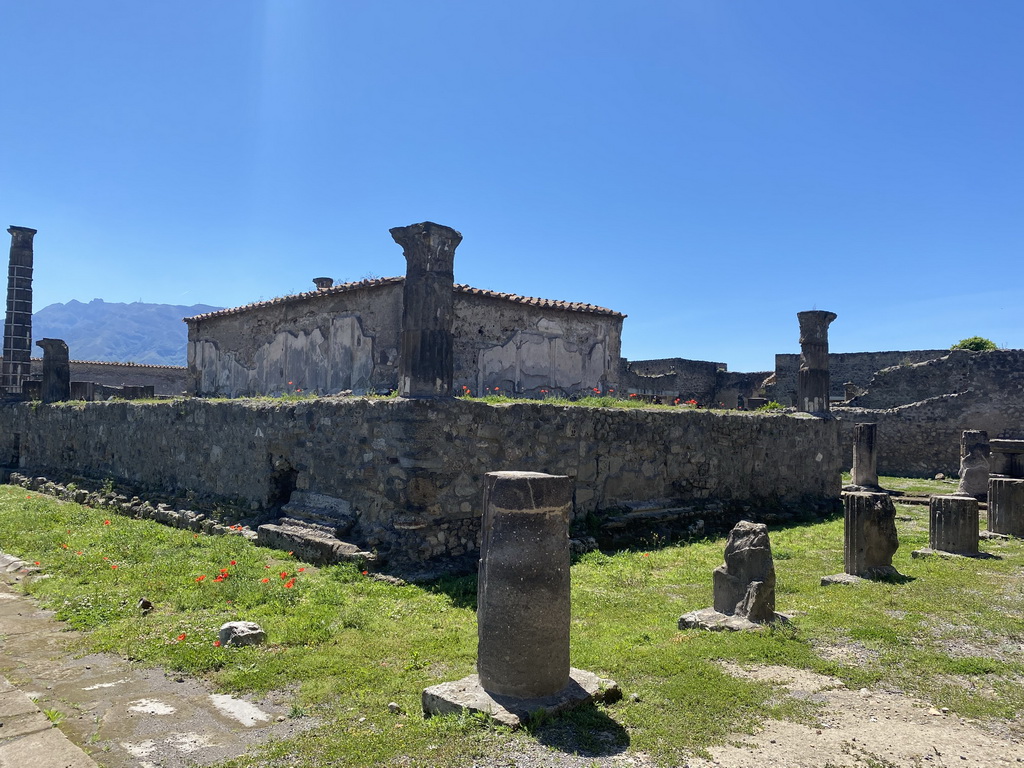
708	168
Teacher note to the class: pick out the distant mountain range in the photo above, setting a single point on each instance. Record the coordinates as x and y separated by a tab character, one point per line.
123	333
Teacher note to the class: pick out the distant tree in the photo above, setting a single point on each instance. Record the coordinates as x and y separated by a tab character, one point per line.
975	344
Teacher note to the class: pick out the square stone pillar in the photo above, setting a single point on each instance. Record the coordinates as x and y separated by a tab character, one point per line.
865	456
427	362
56	371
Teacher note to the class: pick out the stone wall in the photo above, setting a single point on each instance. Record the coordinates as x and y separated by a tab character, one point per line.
165	379
923	438
998	371
411	469
856	367
525	348
348	338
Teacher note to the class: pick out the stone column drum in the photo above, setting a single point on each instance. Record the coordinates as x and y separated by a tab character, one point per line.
870	534
812	382
427	362
953	524
523	591
865	455
1006	506
17	353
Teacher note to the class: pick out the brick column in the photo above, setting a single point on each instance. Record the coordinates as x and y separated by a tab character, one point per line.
18	323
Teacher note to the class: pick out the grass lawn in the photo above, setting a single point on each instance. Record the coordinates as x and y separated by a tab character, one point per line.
346	644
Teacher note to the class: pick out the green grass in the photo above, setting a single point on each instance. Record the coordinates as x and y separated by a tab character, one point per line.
344	645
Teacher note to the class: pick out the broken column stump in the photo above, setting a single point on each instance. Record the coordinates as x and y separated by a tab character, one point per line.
812	383
56	371
870	538
952	526
864	474
974	465
1006	506
744	587
523	607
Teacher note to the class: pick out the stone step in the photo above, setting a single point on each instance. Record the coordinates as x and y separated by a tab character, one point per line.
319	509
310	545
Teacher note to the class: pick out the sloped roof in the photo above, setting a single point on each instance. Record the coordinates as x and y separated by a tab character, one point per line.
568	306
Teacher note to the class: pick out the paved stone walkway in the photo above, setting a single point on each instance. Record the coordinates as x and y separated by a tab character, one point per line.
124	716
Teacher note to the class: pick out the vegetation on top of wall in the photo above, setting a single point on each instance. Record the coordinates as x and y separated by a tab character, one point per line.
975	344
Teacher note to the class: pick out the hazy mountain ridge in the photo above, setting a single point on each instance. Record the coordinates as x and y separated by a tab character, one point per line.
115	332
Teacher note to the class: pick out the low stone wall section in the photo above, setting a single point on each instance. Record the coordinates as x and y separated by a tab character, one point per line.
412	469
923	438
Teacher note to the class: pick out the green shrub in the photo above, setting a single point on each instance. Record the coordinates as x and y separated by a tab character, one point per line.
975	344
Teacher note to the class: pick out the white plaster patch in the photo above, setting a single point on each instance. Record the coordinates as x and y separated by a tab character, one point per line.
141	749
151	707
104	685
189	742
819	457
242	711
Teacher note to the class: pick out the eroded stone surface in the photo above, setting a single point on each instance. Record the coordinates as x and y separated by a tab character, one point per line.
241	633
870	538
745	584
469	694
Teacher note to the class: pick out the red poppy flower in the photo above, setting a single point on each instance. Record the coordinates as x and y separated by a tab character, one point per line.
232	563
200	578
216	643
114	567
106	522
284	574
289	584
181	637
300	569
264	581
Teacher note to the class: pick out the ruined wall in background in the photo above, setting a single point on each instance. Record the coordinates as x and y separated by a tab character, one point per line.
997	371
857	367
328	342
923	438
524	348
165	379
671	378
412	468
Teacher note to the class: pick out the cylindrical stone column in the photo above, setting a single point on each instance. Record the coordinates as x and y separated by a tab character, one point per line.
17	357
865	455
523	591
1006	506
812	379
953	524
870	538
427	361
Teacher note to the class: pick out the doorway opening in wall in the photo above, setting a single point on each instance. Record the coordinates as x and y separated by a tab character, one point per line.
282	483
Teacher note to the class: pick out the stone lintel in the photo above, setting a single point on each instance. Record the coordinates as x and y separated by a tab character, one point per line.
468	694
709	618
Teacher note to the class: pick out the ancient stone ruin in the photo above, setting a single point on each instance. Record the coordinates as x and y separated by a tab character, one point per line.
744	586
952	526
428	353
17	356
974	466
865	458
812	379
1006	506
523	607
56	386
870	538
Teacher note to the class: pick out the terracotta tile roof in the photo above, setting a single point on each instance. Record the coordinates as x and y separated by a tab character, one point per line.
122	365
343	287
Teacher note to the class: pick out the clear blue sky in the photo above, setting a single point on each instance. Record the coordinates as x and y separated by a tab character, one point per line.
708	168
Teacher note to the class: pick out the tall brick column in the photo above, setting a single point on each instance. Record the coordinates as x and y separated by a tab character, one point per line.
427	361
812	379
18	322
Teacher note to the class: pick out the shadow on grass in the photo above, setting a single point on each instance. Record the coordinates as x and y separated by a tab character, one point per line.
461	590
586	731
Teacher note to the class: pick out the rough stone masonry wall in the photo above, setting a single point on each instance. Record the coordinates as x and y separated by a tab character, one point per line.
857	367
922	439
412	469
998	371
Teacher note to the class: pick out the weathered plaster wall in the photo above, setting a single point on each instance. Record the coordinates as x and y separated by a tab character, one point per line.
998	371
857	367
166	379
412	469
327	343
671	378
523	348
